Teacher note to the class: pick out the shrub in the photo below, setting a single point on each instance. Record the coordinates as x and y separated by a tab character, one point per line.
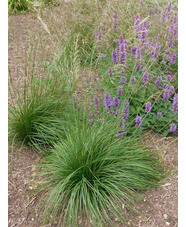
92	174
16	6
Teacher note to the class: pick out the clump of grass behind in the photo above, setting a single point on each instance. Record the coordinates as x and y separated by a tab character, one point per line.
92	175
37	118
16	6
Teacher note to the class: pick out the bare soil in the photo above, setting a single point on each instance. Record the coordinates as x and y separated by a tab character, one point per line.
161	204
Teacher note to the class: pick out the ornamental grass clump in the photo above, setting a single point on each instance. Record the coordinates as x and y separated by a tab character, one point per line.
38	117
93	176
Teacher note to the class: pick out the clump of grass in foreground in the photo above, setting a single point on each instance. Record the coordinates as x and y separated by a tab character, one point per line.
38	117
92	173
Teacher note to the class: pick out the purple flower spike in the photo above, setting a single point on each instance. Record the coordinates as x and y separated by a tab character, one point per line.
148	107
114	56
145	77
175	104
117	112
165	86
169	7
169	77
159	114
107	100
122	133
142	3
173	128
111	112
138	53
138	121
96	101
115	102
115	22
171	90
166	94
120	92
172	58
125	109
133	50
138	66
158	81
122	52
122	81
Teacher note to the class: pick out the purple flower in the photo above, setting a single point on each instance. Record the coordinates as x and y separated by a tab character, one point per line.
125	109
115	22
169	77
173	56
114	56
138	53
173	127
165	86
138	66
122	124
136	25
158	81
122	133
107	100
175	104
111	112
90	122
91	116
171	90
115	102
133	80
101	56
133	50
138	122
159	114
144	32
148	107
117	112
122	81
122	51
96	101
120	92
166	94
142	3
145	77
169	7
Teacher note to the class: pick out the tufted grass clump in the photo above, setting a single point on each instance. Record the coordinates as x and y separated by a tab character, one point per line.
16	6
94	176
37	118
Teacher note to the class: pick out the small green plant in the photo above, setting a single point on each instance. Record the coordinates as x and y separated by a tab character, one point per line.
92	175
16	6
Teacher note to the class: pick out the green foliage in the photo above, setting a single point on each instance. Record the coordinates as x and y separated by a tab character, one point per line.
38	118
160	125
92	174
16	6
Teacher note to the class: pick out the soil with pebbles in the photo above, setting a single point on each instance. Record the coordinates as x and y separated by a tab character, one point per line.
161	204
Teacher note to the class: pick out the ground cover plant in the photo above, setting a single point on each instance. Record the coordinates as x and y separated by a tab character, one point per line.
110	78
